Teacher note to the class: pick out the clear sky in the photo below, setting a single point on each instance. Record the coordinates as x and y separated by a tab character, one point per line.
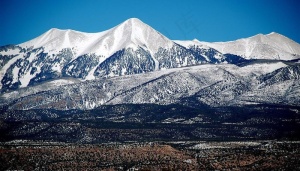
205	20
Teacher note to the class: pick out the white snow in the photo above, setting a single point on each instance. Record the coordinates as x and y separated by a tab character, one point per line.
31	57
185	63
25	79
172	120
263	68
60	82
8	64
55	40
132	33
188	161
56	67
270	46
89	105
188	43
206	146
10	52
15	74
123	72
90	75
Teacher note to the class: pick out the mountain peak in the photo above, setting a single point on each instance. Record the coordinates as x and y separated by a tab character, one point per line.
135	32
261	46
196	40
273	33
133	24
133	20
54	29
266	35
54	39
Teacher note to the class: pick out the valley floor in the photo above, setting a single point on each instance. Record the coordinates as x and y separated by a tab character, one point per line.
177	155
152	137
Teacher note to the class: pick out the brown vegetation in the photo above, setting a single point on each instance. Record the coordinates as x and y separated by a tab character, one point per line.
151	156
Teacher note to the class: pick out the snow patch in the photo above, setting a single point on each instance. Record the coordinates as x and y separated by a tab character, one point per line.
56	67
10	52
8	64
25	79
263	68
206	146
15	73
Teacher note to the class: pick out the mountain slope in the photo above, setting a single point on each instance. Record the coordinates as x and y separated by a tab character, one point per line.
132	47
270	46
211	55
130	33
209	84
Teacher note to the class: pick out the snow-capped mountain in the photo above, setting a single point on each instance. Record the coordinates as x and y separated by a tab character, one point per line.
131	33
132	47
269	46
210	54
133	63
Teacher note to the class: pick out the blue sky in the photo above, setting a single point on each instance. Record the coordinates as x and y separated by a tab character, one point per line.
206	20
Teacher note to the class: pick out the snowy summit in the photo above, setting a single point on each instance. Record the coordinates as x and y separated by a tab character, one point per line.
131	47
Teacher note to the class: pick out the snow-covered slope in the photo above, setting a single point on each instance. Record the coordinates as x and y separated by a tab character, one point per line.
130	33
269	46
68	53
55	40
208	84
131	47
202	49
189	43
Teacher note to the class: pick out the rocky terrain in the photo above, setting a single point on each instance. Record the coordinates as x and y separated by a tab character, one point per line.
262	155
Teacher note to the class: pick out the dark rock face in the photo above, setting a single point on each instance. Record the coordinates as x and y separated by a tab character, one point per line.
280	75
126	62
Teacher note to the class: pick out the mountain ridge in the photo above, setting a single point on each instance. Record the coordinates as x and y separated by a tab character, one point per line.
68	53
125	29
134	63
260	46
